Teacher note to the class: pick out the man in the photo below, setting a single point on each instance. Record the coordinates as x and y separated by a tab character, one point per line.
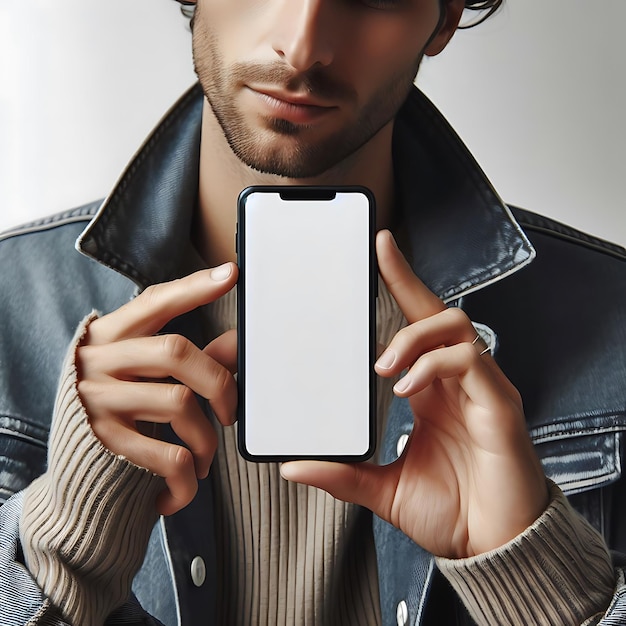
316	92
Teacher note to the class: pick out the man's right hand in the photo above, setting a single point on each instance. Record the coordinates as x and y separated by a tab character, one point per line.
125	374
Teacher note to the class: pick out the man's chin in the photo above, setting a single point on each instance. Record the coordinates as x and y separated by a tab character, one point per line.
290	170
296	163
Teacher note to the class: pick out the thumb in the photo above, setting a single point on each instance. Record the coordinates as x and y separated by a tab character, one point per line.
223	349
361	483
415	300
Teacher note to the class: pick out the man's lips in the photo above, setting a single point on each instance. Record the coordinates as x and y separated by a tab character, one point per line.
289	106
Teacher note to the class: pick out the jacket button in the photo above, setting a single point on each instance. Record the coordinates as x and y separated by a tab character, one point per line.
402	613
401	444
198	571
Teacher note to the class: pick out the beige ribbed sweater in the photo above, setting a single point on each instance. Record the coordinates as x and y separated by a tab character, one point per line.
287	554
291	554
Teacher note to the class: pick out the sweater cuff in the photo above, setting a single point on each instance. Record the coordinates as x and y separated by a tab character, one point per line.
86	522
558	571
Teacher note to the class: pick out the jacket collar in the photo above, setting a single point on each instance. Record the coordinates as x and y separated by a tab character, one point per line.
143	227
460	233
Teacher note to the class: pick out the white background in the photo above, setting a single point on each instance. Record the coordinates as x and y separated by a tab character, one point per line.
538	93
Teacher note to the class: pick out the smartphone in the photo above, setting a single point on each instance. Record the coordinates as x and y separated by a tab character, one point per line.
306	323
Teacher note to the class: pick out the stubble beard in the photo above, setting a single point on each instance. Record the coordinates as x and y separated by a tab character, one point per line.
281	147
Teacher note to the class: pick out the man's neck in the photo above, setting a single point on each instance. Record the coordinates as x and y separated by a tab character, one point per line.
223	176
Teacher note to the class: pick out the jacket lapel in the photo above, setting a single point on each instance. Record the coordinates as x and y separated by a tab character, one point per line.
461	235
143	227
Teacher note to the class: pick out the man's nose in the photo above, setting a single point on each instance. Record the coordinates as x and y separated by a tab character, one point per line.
303	33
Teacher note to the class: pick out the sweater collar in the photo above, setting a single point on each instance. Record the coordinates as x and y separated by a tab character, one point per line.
460	234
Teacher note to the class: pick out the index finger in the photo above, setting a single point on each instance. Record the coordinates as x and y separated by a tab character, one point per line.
415	300
152	309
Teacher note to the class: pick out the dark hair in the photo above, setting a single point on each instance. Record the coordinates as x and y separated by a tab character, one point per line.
488	6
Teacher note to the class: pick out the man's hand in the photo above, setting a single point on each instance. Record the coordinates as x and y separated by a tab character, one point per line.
125	378
468	480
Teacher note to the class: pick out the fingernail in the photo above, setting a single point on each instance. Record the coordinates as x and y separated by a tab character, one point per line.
402	385
221	272
285	470
386	359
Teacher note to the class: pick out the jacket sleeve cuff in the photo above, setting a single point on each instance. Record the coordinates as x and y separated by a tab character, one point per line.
558	571
86	522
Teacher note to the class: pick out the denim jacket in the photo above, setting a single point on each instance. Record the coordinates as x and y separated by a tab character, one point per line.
552	301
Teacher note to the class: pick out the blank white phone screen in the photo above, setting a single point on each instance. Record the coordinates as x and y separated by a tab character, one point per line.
307	323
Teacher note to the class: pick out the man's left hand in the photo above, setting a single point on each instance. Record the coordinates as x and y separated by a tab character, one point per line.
468	480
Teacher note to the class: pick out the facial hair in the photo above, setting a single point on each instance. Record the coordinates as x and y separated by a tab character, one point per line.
281	147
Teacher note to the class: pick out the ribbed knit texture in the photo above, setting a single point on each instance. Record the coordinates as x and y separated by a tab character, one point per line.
86	522
291	554
557	572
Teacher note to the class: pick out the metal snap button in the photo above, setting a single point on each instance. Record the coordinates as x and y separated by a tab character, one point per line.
401	444
198	571
402	613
